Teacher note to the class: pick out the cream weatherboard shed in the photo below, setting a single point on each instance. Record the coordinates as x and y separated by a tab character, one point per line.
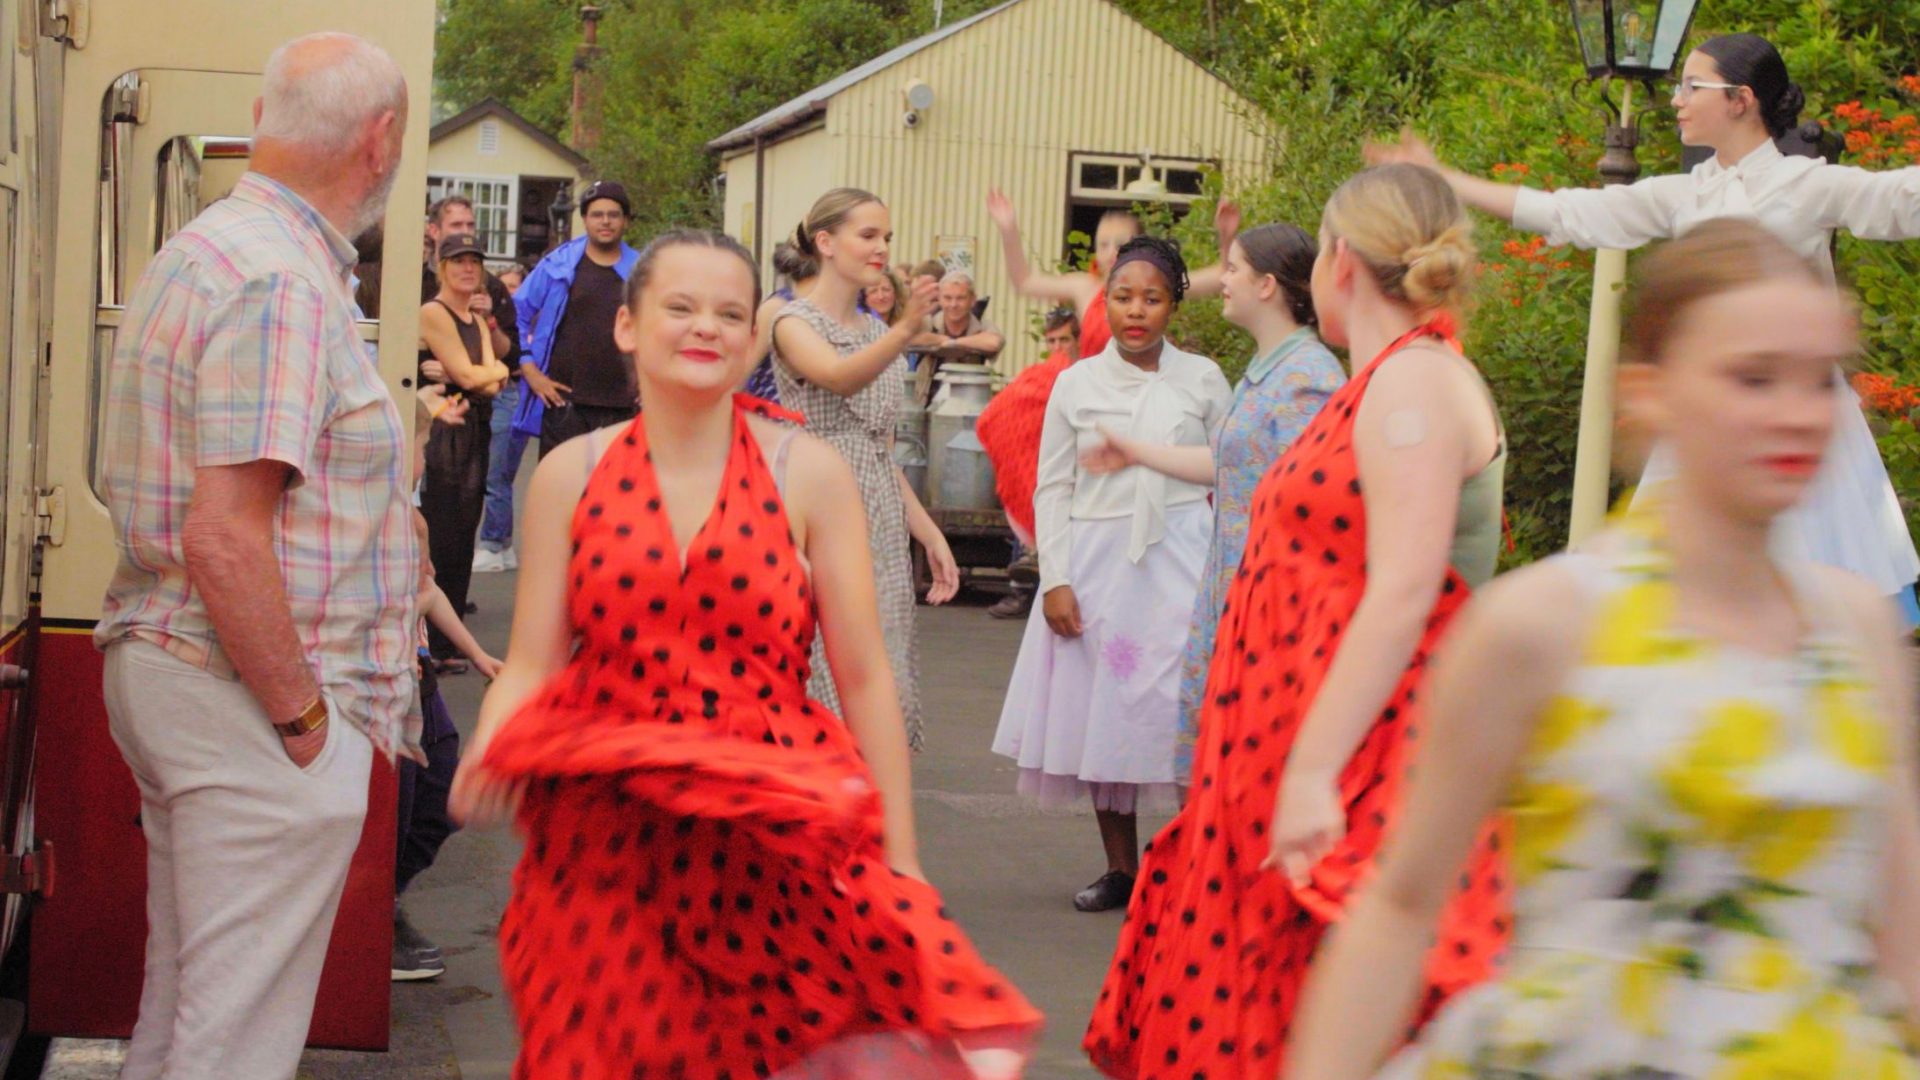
513	172
1061	103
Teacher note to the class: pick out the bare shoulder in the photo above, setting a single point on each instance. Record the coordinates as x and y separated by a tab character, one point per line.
1424	367
1536	617
810	459
817	463
435	312
561	475
1866	610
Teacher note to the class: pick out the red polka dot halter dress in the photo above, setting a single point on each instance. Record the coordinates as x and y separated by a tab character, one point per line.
703	892
1215	950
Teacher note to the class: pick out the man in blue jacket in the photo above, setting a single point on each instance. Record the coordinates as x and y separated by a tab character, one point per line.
578	379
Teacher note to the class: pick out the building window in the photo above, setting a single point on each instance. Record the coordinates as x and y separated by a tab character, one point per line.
494	201
1130	178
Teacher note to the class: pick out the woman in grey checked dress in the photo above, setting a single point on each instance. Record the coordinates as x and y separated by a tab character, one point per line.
842	369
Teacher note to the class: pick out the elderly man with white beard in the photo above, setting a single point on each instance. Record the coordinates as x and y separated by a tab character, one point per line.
257	626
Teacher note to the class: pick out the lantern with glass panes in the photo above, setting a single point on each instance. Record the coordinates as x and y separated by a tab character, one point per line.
1633	41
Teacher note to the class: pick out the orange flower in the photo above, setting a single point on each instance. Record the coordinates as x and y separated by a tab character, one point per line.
1911	84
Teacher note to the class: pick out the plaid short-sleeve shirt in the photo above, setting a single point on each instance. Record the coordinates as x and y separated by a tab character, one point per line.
239	345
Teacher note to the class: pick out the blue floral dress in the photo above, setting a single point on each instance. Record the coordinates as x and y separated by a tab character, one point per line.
1280	394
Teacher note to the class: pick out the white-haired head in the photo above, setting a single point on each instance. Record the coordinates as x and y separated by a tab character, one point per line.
323	89
958	277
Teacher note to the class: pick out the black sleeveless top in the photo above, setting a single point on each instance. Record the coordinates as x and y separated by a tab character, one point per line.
480	409
469	336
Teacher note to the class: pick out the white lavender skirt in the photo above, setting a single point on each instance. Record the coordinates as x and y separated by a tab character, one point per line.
1097	715
1849	517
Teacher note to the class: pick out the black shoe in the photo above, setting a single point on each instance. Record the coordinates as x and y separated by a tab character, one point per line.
414	957
1113	890
1015	605
472	608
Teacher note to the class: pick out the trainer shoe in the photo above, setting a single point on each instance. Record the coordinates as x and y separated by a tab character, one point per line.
1014	605
1026	569
414	957
511	558
488	562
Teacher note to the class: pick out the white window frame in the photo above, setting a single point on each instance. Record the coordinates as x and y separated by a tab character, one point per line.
500	244
1154	168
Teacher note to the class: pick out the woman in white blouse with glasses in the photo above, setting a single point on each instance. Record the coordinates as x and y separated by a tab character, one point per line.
1735	97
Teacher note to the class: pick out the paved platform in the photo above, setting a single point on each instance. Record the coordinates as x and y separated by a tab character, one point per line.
1007	868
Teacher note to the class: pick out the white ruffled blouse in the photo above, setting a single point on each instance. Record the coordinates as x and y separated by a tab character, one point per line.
1183	403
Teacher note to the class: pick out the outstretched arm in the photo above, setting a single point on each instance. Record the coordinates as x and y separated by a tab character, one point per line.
1483	195
438	610
1618	216
816	360
1208	280
1501	665
1890	663
1191	464
1075	289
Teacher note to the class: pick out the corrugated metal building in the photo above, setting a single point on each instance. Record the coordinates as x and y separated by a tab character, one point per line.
1061	103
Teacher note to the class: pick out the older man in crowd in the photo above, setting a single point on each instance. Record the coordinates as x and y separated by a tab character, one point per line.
256	631
955	332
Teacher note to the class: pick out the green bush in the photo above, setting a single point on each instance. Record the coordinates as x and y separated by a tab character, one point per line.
1499	91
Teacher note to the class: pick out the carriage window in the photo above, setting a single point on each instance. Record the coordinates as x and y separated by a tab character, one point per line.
142	204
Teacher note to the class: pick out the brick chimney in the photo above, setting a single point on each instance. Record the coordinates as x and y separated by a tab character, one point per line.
585	114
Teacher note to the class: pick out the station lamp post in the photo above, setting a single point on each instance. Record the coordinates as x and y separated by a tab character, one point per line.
1634	42
560	217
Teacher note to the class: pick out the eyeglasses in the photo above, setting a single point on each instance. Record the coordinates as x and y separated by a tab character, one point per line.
606	215
1689	85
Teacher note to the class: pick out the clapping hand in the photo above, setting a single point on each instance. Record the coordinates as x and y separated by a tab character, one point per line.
922	296
1111	456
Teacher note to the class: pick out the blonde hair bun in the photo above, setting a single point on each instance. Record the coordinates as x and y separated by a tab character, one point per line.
1406	224
1439	273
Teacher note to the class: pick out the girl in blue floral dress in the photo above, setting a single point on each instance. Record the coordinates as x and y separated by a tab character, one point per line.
1264	291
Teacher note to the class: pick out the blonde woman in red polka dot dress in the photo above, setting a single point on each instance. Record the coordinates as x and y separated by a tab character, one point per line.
720	877
1364	540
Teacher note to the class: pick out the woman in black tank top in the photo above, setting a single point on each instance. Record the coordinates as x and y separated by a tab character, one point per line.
454	487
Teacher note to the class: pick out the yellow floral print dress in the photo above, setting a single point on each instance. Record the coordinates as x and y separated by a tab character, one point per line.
1697	853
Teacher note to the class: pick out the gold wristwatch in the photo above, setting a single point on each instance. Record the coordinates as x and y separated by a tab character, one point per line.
309	721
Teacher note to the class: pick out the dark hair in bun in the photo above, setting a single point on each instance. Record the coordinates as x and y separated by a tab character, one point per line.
1286	252
790	264
1163	254
1751	61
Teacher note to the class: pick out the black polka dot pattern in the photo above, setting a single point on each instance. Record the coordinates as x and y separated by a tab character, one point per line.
704	891
1215	951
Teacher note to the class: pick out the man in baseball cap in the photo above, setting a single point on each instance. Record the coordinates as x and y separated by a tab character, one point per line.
579	380
606	189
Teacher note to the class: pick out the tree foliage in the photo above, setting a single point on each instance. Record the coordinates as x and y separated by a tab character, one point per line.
1495	84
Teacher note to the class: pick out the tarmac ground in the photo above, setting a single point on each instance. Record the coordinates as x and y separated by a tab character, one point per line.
1008	870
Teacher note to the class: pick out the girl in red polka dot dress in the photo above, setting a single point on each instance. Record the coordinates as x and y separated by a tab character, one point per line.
720	878
1363	541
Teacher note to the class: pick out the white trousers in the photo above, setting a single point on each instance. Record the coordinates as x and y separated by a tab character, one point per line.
246	859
